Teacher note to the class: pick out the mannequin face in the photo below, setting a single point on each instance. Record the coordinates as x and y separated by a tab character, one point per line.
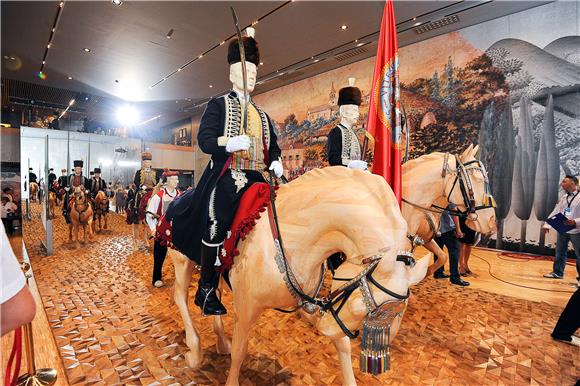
349	113
237	79
98	175
78	169
146	163
172	182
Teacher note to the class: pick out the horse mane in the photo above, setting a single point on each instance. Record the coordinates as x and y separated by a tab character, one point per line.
336	183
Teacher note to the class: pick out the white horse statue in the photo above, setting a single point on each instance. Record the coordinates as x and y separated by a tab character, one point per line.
325	211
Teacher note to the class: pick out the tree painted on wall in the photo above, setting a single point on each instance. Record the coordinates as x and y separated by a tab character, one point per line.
547	169
497	144
524	169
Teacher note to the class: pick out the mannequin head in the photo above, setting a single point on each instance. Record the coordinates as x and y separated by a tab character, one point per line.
349	114
172	182
237	79
252	55
78	166
146	158
97	173
349	100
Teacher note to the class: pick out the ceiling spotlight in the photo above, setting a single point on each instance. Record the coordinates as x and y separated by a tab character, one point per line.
343	27
416	24
48	45
69	78
44	62
117	2
61	4
200	56
179	69
211	86
87	49
360	44
316	60
222	42
261	63
127	115
170	33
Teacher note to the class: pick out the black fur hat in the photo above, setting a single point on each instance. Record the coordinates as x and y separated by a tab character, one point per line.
251	49
78	163
349	96
98	170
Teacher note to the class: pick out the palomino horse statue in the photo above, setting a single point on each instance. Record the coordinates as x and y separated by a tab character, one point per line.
51	203
33	191
81	214
325	211
431	181
101	210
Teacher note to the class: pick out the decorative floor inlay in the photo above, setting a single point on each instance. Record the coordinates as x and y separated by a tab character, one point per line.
112	327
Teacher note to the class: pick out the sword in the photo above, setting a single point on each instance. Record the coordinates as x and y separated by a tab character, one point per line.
244	153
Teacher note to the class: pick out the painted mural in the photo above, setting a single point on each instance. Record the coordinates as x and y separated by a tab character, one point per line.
512	85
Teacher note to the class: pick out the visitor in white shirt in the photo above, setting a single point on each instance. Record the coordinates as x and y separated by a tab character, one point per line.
17	305
569	206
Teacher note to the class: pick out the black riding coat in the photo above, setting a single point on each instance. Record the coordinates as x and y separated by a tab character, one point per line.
189	211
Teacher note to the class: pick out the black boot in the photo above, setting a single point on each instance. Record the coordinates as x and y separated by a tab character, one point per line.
206	297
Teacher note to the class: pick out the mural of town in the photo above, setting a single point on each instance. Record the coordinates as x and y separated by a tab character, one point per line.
515	92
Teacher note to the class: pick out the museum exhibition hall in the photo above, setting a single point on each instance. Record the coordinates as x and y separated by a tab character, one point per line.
290	192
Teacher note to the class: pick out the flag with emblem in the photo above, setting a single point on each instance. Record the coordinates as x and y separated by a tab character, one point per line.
384	119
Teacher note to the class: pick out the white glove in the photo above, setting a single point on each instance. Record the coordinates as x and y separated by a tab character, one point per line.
357	164
237	143
277	167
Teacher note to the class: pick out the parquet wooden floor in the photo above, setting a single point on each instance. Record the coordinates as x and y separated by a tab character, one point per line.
112	327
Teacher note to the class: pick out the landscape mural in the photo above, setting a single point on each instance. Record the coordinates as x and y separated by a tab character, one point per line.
512	85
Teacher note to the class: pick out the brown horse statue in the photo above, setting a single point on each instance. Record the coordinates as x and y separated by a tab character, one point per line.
101	210
51	203
81	214
434	179
325	211
33	191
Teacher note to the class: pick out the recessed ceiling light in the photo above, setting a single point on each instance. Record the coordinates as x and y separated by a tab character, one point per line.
211	86
316	60
87	49
416	24
261	63
117	2
360	44
169	33
200	56
6	57
69	77
179	69
44	62
343	27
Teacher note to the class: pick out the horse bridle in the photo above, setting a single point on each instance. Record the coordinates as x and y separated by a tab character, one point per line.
463	180
314	303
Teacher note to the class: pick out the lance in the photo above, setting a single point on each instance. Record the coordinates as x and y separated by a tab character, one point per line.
244	75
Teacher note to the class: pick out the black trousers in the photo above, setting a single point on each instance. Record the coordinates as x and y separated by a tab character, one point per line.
224	201
569	320
159	253
449	240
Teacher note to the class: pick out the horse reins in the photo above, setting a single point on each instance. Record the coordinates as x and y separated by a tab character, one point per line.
311	304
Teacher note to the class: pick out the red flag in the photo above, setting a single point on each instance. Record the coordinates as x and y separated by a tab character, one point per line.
384	121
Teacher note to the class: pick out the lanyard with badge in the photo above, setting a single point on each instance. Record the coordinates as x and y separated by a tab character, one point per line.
567	210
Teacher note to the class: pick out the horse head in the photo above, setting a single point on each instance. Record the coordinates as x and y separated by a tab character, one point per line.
79	195
472	192
336	209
